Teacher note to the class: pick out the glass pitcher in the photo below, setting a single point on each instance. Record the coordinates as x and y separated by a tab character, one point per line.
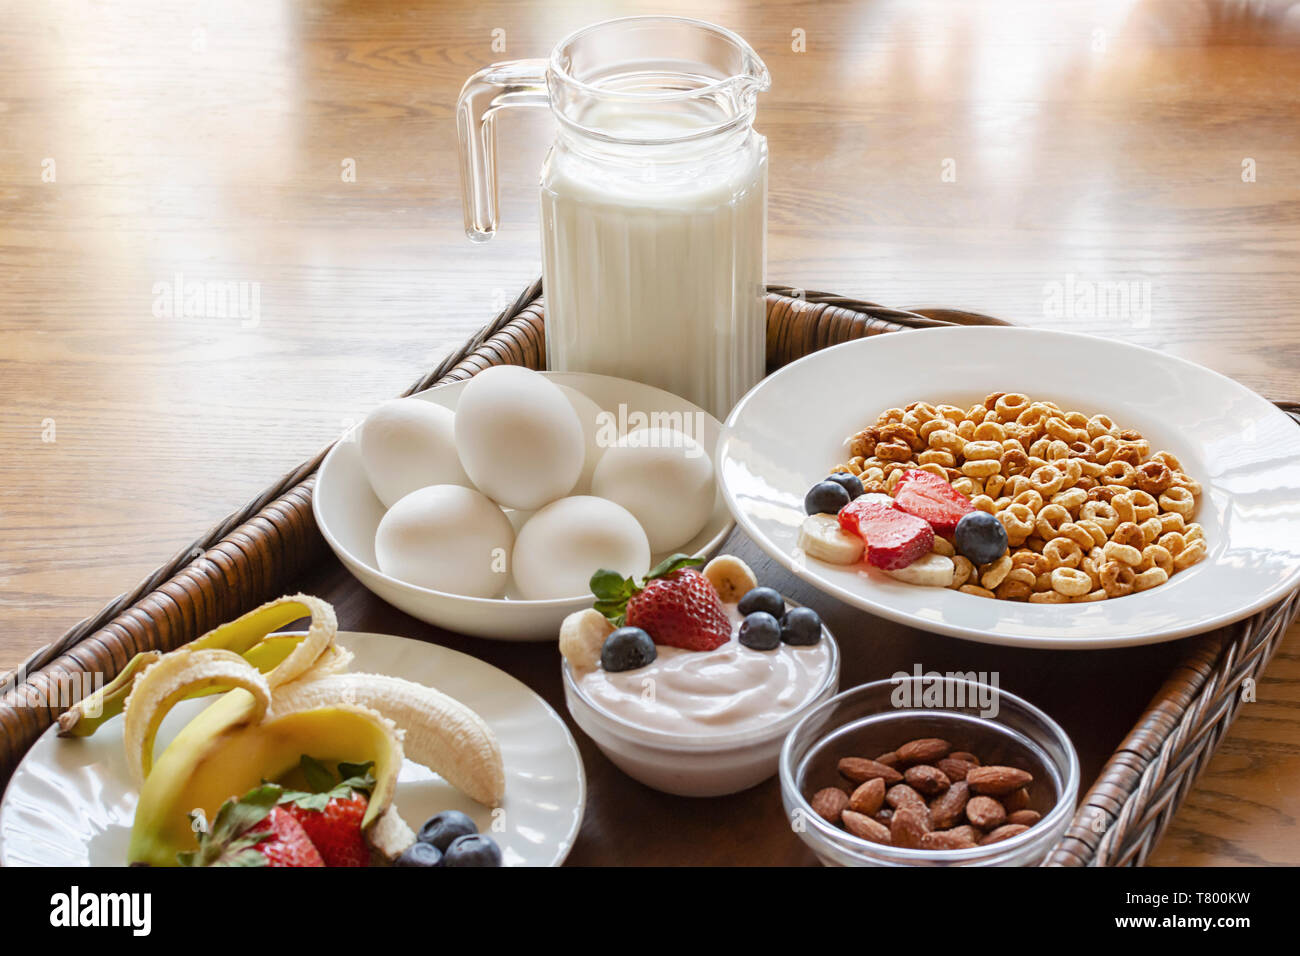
653	201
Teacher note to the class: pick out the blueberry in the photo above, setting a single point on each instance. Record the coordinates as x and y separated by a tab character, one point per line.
801	626
420	854
760	631
438	831
762	599
980	538
825	498
472	850
627	649
849	482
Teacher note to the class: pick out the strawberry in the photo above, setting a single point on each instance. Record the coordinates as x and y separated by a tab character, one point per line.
332	815
252	831
928	496
894	538
675	604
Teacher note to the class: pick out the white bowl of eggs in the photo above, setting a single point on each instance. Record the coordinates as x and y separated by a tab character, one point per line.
484	506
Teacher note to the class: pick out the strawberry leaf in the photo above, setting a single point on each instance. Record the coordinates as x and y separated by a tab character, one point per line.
319	778
609	585
672	564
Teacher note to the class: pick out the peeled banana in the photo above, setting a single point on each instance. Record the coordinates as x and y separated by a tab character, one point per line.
821	537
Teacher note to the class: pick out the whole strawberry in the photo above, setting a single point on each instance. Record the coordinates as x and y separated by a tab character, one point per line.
253	831
332	815
675	604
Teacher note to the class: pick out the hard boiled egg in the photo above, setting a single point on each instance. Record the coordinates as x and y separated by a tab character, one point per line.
448	538
590	415
406	444
518	437
563	544
664	477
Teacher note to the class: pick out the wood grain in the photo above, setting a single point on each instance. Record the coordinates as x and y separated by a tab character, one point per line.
1102	141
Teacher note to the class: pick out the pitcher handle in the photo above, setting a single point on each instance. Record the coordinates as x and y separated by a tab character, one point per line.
497	87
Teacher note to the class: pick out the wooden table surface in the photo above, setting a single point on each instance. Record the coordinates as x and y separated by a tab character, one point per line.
997	156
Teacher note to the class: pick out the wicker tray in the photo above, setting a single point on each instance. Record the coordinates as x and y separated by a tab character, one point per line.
1141	760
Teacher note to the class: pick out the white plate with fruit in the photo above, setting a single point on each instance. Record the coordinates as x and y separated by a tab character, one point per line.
485	771
481	506
1110	496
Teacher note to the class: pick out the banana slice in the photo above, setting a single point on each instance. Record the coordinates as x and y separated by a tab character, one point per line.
440	732
170	679
930	570
582	635
821	537
731	577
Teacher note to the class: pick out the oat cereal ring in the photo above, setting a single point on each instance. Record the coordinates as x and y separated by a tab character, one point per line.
945	440
1154	556
1048	597
1031	499
1049	521
991	575
1129	534
1105	446
1193	531
1071	531
1082	450
1195	550
976	590
902	434
893	451
1010	590
1072	499
1056	450
1179	500
965	430
1154	477
1117	579
1063	553
1100	425
1173	542
935	456
1106	493
1168	460
1098	595
1047	480
934	469
981	468
1151	530
962	569
1070	582
1093	570
994	484
1121	553
1095	531
1123	505
1013	461
1127	453
1036	564
943	546
1115	473
1149	579
991	431
1145	507
1015	486
1171	521
1011	405
965	485
984	503
1101	513
1036	543
891	480
982	450
1061	430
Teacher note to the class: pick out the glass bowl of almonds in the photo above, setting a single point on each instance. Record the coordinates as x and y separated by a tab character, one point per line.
928	771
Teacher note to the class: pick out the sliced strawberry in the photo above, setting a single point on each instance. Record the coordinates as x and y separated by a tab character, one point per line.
894	538
675	604
928	496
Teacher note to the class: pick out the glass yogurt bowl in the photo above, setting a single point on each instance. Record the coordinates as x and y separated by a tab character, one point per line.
865	721
694	764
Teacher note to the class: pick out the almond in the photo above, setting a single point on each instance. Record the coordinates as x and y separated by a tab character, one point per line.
1016	800
955	769
966	832
947	809
1004	833
1025	817
883	815
907	827
889	759
901	795
947	840
829	803
997	781
926	780
965	756
865	827
985	812
868	798
923	750
860	770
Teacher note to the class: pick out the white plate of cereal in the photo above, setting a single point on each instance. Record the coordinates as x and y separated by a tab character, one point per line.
1132	497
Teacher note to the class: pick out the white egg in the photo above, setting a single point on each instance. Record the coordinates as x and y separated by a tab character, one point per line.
449	538
590	415
519	438
565	543
409	443
665	478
